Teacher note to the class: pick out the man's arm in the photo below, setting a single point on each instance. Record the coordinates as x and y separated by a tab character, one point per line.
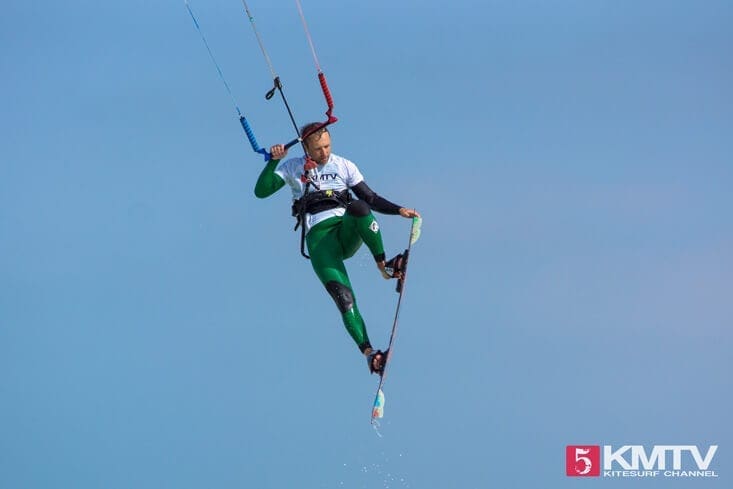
376	202
268	182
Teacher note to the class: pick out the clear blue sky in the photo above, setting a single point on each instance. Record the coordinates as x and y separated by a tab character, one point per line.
573	161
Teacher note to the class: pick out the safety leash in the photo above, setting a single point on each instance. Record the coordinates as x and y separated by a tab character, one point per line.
277	83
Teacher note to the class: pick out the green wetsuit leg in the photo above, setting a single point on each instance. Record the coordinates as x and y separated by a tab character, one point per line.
329	244
327	258
356	230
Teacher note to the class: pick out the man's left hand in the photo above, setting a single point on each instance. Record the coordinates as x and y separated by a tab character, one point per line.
405	212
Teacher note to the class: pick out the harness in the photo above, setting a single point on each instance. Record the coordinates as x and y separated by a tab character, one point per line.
313	202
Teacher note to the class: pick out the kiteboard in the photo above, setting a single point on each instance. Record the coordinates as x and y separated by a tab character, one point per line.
378	406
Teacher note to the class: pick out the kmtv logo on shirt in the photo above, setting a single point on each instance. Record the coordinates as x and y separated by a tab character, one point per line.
638	461
326	177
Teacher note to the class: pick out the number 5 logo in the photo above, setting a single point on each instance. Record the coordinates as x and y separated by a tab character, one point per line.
583	460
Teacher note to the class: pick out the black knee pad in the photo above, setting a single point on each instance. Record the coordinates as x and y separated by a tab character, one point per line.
341	294
358	208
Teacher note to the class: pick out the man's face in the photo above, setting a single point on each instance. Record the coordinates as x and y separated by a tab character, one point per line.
319	147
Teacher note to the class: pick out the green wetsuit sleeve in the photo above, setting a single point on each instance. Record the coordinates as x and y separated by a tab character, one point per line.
268	182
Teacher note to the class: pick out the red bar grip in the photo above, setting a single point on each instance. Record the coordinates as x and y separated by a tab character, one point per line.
326	92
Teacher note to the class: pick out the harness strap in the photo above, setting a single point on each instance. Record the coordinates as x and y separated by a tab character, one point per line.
313	203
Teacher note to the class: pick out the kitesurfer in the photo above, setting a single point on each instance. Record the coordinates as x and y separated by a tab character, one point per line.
335	224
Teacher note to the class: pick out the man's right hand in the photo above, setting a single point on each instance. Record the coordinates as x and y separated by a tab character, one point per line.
278	152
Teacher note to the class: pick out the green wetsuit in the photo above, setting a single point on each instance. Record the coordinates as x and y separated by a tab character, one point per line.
336	238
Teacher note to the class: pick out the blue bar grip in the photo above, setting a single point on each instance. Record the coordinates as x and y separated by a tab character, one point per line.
251	136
